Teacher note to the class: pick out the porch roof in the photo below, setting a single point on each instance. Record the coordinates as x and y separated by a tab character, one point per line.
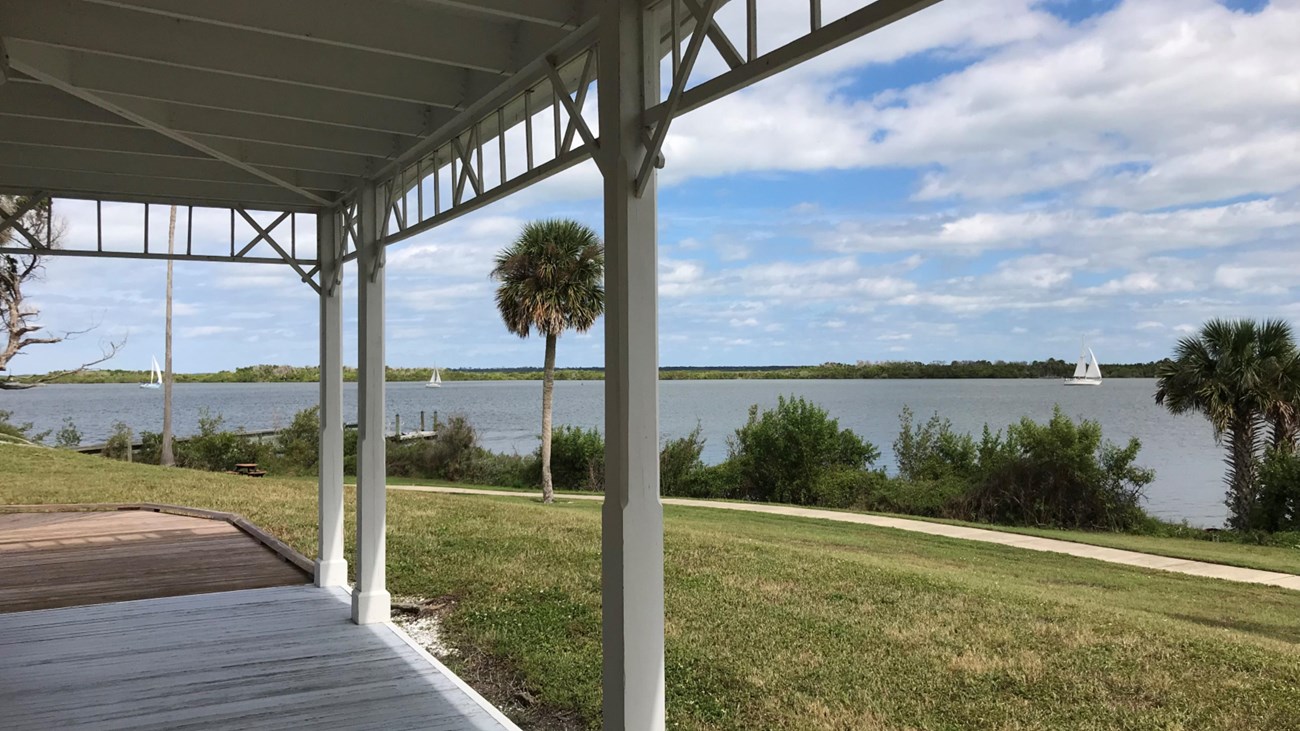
280	105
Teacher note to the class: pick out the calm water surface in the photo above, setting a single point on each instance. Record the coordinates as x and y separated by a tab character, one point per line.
1188	465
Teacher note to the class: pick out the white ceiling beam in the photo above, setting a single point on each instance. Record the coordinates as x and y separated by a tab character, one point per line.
109	186
109	31
568	15
46	102
25	98
51	67
163	166
77	136
138	140
208	90
293	133
422	33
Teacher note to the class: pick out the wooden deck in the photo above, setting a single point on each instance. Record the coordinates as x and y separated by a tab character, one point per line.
136	619
60	559
279	658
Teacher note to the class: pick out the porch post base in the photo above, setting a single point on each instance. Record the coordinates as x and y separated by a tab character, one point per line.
371	607
331	573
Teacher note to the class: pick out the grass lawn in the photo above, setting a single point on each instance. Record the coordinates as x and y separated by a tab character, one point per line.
1285	559
1268	558
777	622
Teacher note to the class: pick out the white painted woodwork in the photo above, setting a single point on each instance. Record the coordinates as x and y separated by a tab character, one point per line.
370	599
632	517
281	658
331	568
291	106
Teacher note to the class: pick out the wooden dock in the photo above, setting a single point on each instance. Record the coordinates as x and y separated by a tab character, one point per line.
60	559
280	658
144	619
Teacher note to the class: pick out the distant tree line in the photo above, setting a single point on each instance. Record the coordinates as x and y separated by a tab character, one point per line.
1051	368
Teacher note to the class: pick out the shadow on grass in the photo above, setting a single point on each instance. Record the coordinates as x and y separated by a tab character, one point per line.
1271	631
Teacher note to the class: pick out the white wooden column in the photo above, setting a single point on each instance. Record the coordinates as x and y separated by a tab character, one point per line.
370	600
331	568
632	582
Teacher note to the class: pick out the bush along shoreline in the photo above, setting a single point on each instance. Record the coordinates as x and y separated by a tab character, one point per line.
1057	474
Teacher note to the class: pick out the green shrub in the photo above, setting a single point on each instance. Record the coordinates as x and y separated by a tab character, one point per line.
680	464
781	454
216	450
718	481
942	498
577	459
119	443
455	447
448	456
847	487
504	470
1278	507
12	432
933	451
68	437
1059	474
10	429
150	451
350	451
297	447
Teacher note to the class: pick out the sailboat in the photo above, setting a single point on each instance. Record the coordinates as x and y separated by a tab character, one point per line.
435	380
155	376
1087	372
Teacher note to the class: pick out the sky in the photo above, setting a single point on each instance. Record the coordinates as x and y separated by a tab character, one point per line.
992	179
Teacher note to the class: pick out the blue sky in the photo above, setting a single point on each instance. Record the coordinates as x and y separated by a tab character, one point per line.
992	179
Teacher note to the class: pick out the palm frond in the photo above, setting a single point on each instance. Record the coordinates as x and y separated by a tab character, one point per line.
551	278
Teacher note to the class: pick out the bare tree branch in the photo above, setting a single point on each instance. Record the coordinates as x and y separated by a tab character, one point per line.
31	219
109	350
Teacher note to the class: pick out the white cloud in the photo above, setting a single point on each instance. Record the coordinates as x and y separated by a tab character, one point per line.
1143	283
1077	233
202	331
1143	104
1185	99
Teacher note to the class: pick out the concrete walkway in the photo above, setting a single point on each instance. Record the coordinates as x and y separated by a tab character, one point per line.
1033	543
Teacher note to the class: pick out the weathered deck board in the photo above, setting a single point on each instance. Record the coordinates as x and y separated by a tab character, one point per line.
278	658
68	559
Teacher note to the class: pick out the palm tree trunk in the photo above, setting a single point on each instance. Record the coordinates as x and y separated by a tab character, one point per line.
165	456
1242	468
548	393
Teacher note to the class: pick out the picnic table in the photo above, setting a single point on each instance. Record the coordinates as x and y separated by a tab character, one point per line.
249	469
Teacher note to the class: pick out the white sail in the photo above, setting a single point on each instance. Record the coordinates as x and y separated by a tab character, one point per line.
435	380
1094	368
1088	371
155	375
1081	370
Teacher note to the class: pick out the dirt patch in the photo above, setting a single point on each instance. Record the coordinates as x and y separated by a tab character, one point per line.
494	678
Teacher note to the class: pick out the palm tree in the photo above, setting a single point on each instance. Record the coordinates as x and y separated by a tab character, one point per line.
1243	377
551	281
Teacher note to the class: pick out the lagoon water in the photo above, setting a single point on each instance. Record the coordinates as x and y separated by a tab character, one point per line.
1182	451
